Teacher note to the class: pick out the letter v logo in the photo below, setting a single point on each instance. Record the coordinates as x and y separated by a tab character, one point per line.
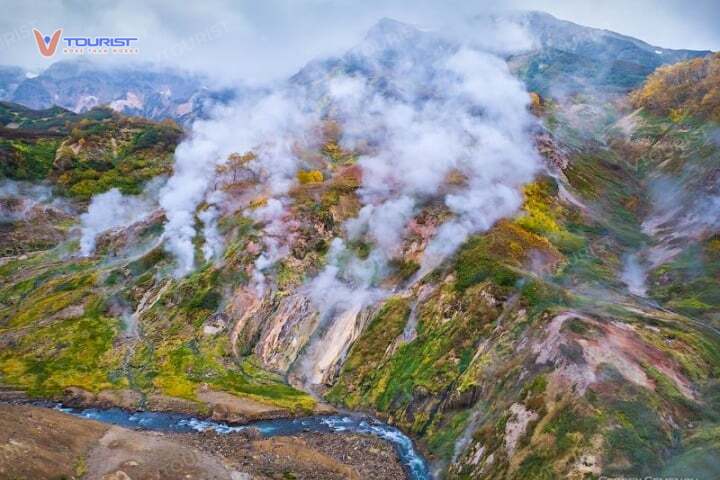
47	45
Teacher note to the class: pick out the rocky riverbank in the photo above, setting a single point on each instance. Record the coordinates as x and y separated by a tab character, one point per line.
38	443
216	405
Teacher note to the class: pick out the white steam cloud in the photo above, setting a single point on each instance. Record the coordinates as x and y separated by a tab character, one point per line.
458	114
269	126
110	210
19	201
633	275
434	122
276	240
470	119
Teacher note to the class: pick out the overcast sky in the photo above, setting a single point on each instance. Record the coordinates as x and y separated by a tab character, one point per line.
263	39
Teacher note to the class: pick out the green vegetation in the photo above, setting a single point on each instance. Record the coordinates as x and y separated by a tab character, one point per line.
96	161
29	160
690	283
567	430
88	154
497	256
68	312
68	336
457	354
54	119
700	454
502	288
638	437
368	353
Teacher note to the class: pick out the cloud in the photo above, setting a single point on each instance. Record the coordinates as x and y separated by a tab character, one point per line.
474	122
262	41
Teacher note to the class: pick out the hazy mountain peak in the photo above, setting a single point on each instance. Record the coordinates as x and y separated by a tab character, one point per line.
389	34
388	25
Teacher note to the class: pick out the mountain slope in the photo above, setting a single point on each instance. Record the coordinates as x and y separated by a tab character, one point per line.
529	357
10	78
88	308
687	88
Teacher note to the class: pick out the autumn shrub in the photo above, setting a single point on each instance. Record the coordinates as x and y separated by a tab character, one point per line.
686	88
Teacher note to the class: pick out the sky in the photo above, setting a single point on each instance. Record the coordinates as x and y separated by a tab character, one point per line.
263	40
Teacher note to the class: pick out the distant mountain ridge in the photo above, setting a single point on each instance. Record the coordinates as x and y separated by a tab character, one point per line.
581	59
81	85
10	79
584	58
560	34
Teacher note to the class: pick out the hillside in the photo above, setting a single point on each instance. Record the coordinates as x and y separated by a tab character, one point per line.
54	161
687	88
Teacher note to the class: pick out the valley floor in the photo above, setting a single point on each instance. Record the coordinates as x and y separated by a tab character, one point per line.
65	446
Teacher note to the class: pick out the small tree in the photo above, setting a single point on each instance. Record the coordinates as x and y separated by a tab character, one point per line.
237	168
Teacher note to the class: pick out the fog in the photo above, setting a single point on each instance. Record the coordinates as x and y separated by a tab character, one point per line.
261	41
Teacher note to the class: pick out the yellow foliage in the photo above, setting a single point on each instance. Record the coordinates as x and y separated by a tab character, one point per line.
677	115
310	176
686	88
542	216
13	368
176	386
456	178
713	247
536	104
93	381
538	216
513	243
258	202
236	168
333	150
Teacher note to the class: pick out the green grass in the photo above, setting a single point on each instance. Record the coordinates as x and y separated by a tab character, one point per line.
70	352
367	354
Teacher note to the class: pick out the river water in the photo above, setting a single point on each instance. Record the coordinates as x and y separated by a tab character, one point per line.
415	465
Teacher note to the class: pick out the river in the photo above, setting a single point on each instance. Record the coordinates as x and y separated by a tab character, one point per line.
415	465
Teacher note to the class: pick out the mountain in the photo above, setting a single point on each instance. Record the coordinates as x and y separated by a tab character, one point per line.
522	279
573	57
563	58
579	58
80	85
687	88
10	78
52	161
392	54
602	45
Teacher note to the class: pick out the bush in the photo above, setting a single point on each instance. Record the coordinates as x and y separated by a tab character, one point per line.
28	161
310	176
